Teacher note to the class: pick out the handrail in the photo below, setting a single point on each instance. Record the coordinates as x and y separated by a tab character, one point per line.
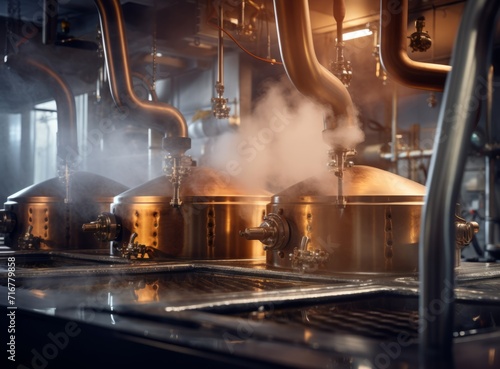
464	91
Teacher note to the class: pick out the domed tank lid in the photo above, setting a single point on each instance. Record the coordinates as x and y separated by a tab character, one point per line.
201	182
359	180
84	186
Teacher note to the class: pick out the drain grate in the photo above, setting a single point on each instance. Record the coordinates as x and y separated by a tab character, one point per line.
378	324
373	323
383	318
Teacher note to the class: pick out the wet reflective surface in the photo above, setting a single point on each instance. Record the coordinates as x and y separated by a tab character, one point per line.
238	313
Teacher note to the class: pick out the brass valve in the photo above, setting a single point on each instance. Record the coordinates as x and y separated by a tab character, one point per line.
338	163
273	232
177	165
465	231
220	109
105	228
342	70
307	260
134	250
420	40
28	241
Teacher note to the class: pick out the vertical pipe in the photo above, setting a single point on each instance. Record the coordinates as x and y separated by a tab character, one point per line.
491	213
339	15
394	130
220	48
159	116
301	64
154	153
414	146
461	99
67	142
49	28
242	16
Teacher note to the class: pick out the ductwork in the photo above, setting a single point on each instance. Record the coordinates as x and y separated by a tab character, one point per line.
155	115
393	51
301	64
67	142
462	97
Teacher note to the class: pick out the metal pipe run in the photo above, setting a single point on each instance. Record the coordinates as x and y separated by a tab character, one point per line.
393	51
301	64
67	141
159	116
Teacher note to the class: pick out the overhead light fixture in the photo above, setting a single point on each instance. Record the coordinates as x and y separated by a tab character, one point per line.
357	34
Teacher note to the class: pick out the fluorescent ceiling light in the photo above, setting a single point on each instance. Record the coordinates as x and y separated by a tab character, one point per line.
357	34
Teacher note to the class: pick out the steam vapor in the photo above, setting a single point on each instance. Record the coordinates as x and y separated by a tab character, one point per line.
280	143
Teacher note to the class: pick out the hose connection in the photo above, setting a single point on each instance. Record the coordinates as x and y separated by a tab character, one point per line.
105	228
273	232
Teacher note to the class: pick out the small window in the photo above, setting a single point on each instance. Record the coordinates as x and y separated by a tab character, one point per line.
45	150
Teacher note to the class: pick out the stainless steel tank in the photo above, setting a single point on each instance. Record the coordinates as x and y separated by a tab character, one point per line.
41	217
377	230
205	226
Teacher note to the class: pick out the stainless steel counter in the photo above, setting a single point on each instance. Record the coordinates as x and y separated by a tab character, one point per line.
236	313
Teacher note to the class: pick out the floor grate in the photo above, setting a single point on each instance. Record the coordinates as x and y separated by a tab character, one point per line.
383	318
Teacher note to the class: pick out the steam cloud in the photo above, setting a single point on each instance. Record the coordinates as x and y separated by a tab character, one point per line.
281	143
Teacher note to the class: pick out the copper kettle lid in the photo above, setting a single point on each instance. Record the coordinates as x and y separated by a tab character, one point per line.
84	186
201	182
358	180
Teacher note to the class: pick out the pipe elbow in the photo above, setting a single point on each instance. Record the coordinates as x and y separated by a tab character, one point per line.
67	141
394	56
161	116
301	64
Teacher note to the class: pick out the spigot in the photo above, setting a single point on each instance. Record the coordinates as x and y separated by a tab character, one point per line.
273	232
308	260
7	221
134	250
105	228
177	165
28	241
338	163
420	40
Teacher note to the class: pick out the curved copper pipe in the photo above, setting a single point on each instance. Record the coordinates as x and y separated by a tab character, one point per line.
300	61
147	85
161	116
67	141
393	51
